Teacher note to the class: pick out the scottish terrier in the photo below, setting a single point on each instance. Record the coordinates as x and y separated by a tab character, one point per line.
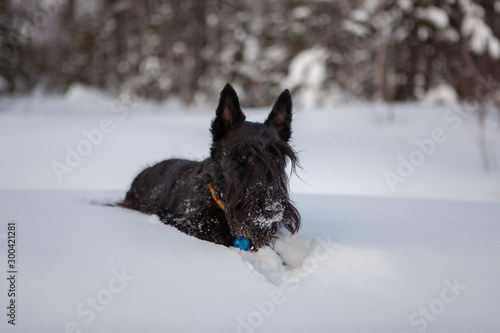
240	190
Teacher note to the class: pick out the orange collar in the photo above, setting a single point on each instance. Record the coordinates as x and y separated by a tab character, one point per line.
217	200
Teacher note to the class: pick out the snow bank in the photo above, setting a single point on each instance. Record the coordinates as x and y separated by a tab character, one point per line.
401	265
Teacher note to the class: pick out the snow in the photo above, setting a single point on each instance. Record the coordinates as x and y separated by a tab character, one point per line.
419	258
360	15
437	16
301	12
355	28
481	37
406	5
383	263
442	93
252	49
494	48
450	35
307	73
150	64
423	33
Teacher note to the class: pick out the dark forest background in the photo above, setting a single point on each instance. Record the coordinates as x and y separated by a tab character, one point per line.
380	50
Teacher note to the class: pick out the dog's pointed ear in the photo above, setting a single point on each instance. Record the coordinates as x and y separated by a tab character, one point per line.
228	114
280	118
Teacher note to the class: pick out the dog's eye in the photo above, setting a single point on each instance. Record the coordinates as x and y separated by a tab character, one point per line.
243	157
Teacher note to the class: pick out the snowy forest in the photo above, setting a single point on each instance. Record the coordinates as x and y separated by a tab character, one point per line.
324	51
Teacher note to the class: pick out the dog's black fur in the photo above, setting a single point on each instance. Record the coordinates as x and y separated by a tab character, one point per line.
245	171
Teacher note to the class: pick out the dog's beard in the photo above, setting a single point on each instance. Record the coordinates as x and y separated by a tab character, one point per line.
260	223
256	201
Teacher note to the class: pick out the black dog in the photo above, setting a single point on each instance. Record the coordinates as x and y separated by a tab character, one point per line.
241	190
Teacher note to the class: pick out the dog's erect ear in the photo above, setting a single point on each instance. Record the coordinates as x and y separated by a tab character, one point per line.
228	114
280	118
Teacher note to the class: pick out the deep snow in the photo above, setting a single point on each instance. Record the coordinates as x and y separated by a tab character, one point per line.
421	258
358	265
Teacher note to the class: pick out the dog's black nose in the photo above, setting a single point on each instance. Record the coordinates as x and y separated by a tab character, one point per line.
268	212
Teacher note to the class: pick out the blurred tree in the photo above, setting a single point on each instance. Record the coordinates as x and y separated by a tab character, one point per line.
9	45
376	50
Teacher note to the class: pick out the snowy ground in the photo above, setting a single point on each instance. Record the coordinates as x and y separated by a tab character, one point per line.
89	141
420	257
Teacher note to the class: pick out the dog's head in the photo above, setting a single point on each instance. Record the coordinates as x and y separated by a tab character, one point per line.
249	167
